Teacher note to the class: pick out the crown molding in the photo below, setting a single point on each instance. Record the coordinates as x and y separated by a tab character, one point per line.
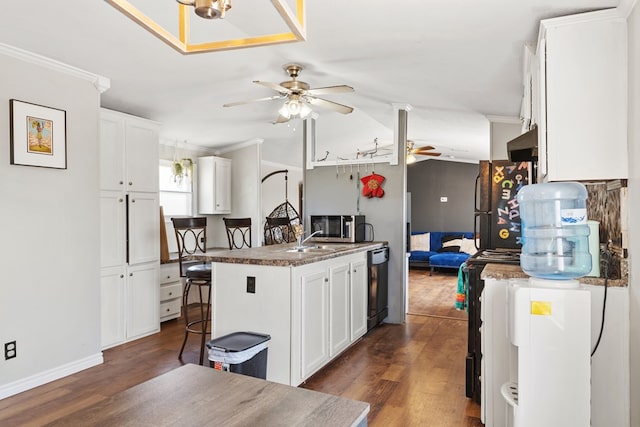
401	106
504	119
101	83
625	7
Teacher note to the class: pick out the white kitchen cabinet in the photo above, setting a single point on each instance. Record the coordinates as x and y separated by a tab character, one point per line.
214	185
128	303
581	96
142	301
128	152
331	312
129	227
358	288
170	291
339	305
112	297
314	322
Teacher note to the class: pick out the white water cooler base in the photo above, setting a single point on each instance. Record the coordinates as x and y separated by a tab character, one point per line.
550	326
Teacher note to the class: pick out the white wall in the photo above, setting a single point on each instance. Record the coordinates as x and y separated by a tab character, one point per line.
502	130
634	209
49	255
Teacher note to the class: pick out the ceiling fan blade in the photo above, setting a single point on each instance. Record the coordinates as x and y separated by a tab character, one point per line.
281	119
329	89
274	86
433	153
249	101
425	148
329	104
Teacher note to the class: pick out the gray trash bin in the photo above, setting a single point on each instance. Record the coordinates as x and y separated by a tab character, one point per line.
240	352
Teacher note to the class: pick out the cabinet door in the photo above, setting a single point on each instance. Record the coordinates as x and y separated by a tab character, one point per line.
339	333
141	155
313	322
143	300
223	185
112	229
144	228
214	185
358	299
111	151
112	284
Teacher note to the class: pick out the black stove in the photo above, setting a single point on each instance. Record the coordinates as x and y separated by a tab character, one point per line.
475	286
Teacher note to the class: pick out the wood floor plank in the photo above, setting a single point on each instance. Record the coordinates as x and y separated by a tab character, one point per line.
411	375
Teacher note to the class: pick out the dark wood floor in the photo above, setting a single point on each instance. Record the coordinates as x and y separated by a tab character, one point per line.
434	294
411	374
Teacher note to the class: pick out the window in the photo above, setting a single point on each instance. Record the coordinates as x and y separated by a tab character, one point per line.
176	196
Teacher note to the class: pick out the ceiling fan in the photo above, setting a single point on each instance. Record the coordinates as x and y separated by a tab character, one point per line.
299	96
419	151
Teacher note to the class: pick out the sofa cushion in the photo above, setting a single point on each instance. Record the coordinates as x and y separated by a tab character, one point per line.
449	259
421	255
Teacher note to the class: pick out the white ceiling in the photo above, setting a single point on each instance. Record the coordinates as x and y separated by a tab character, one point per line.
453	61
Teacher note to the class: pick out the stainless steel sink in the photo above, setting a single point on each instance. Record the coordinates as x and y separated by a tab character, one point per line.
318	249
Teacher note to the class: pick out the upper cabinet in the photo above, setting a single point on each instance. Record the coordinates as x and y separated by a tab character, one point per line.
578	97
214	185
128	152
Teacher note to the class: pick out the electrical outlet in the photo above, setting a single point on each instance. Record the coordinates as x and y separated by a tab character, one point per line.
251	285
10	350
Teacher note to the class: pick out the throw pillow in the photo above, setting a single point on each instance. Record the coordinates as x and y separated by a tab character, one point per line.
420	242
449	249
468	246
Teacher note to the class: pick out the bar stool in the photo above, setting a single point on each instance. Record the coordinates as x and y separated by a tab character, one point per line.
238	232
191	236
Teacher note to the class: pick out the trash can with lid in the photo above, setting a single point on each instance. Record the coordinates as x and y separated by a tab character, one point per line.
240	352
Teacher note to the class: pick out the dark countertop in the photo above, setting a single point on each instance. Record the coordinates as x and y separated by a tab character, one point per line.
505	272
278	255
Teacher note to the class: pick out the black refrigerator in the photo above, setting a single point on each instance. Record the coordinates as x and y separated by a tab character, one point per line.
497	223
496	210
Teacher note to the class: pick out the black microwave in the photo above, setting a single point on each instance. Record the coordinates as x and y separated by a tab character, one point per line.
338	228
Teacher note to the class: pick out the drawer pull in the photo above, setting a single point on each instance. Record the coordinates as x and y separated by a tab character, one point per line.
170	293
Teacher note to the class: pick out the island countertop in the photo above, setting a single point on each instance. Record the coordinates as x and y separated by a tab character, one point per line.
281	255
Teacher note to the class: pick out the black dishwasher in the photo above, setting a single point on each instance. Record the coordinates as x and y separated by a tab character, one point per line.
378	267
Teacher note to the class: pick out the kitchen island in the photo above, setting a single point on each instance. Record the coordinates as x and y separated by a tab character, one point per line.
312	302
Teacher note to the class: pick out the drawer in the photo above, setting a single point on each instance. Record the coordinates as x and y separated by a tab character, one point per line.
171	291
170	309
169	272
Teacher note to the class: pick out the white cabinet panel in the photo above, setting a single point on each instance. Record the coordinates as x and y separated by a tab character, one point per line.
583	93
112	229
144	228
112	289
170	291
214	185
314	324
358	299
141	155
143	301
112	174
339	291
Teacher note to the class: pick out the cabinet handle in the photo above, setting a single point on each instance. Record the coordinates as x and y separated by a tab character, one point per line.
326	279
130	183
122	276
168	309
130	274
121	182
170	293
133	200
168	277
121	200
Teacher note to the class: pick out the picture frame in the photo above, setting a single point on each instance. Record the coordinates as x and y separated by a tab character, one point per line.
38	135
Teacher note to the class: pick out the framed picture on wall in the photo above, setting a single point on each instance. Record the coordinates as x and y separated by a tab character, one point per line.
38	135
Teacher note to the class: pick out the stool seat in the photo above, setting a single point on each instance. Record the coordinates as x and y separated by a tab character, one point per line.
199	271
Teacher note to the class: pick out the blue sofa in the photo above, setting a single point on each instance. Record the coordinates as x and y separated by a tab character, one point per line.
435	257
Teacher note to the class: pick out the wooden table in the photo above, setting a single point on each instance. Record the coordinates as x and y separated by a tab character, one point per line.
194	395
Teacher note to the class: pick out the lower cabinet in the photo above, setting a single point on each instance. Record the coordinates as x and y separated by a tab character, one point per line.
170	291
130	306
330	304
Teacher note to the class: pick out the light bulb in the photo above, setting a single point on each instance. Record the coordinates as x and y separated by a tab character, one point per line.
411	159
305	110
284	111
294	107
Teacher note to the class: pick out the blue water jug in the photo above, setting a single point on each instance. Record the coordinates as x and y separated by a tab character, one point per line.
555	232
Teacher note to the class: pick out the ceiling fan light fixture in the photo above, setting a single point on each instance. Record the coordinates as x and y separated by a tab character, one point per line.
411	158
284	110
208	9
305	110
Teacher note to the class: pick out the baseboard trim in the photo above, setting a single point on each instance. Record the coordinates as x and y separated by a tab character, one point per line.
50	375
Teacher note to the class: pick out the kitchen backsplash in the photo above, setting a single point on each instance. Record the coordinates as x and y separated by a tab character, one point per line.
607	204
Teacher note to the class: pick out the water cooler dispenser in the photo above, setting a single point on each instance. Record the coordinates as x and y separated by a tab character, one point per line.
549	315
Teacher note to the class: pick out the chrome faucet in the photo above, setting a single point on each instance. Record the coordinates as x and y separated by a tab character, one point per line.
301	242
